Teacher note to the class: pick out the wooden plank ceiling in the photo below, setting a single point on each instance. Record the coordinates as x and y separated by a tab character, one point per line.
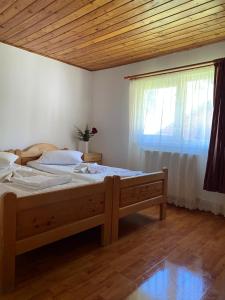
98	34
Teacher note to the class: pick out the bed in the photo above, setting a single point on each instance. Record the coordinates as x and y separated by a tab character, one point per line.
132	190
31	221
130	195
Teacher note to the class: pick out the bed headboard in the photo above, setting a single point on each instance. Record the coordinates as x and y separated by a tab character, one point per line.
34	152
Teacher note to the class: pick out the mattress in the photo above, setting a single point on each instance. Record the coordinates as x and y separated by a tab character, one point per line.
22	191
99	175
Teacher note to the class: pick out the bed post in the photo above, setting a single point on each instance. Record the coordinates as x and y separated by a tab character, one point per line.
7	241
19	160
115	209
163	205
106	227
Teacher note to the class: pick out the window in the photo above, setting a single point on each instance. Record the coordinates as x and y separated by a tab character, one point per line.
173	112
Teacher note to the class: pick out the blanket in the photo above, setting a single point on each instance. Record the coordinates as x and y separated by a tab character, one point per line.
33	179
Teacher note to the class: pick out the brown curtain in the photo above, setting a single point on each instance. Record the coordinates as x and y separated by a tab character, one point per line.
215	168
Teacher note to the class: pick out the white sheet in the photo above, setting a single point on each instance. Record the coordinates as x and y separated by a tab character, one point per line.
86	171
6	174
36	180
21	189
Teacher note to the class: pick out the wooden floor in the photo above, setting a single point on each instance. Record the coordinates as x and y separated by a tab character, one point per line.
181	258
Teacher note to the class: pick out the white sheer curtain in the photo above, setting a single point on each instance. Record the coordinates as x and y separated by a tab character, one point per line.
170	123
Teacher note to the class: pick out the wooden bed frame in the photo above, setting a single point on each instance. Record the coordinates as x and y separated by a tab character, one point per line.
34	152
130	195
30	222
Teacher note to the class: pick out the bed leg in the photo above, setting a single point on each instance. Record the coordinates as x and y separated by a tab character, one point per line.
115	210
7	242
162	211
115	230
106	227
105	235
165	191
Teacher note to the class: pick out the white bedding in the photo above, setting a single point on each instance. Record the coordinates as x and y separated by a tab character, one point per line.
86	171
24	181
38	180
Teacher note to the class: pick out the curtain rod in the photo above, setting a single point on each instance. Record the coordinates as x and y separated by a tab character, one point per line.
173	70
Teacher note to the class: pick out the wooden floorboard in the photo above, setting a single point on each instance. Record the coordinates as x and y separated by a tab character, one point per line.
180	258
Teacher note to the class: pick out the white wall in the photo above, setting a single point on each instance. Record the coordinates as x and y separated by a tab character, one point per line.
111	98
40	99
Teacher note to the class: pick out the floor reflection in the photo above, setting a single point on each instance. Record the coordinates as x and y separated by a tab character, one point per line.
171	282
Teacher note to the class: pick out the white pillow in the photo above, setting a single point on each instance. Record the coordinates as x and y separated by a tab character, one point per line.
61	157
7	159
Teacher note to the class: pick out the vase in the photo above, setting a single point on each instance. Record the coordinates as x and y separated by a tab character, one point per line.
86	147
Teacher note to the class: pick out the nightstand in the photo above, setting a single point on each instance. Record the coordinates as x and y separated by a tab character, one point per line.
93	157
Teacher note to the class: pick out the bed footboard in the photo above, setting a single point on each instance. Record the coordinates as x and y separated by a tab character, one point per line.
7	241
33	221
133	194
